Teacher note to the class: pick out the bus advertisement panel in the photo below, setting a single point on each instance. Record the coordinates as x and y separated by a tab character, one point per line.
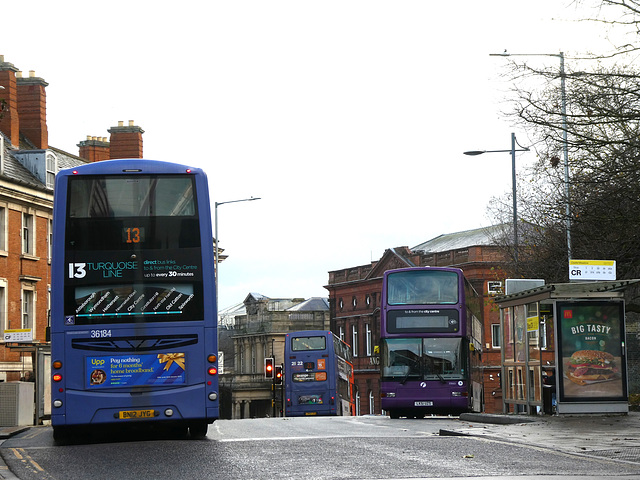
133	304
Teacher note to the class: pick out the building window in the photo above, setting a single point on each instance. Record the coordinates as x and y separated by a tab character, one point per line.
28	308
3	306
496	336
51	169
3	228
340	304
354	340
369	340
354	302
50	240
341	333
28	234
253	358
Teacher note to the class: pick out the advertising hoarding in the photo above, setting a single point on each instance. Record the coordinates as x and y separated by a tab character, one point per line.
591	352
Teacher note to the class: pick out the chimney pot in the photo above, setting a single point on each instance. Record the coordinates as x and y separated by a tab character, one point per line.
131	123
88	137
32	73
18	74
120	123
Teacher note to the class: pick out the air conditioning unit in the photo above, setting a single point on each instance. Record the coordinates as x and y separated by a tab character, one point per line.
494	287
16	403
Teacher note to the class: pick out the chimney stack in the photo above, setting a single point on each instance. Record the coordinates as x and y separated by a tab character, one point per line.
94	149
9	123
126	141
32	109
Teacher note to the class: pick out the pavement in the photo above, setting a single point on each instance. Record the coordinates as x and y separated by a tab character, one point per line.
614	437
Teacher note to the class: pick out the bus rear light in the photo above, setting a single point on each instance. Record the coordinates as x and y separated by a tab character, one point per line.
213	396
212	370
57	403
168	412
459	394
212	358
332	401
57	364
388	394
57	377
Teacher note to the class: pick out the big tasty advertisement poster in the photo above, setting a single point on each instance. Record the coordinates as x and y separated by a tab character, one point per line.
591	356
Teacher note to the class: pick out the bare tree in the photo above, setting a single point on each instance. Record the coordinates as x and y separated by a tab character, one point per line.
602	125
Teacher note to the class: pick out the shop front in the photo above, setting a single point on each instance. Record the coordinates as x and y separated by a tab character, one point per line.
564	349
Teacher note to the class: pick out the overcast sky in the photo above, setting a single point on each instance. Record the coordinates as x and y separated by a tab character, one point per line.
347	118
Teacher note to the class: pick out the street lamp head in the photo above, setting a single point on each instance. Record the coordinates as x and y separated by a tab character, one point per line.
475	152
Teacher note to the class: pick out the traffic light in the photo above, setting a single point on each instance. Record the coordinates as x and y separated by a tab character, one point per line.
268	367
278	374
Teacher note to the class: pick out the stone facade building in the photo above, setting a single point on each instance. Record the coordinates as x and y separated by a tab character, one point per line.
257	334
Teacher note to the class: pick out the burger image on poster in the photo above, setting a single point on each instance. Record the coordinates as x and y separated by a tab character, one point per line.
591	365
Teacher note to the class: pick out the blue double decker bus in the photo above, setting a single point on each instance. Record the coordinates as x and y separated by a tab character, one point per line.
318	375
431	340
133	323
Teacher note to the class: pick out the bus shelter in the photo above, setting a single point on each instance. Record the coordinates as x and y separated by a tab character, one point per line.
563	349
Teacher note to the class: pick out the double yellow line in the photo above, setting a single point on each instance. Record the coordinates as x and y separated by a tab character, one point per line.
29	462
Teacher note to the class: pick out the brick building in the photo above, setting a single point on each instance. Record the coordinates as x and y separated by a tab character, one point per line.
355	293
28	165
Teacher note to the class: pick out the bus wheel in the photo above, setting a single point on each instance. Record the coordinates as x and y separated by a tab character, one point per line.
61	435
198	430
395	414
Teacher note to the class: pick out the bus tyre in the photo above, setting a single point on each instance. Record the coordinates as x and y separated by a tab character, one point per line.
61	435
395	414
198	430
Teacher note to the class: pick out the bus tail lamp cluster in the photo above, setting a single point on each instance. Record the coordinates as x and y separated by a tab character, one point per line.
57	378
212	370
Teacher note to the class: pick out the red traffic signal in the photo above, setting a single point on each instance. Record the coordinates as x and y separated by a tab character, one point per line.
278	374
268	367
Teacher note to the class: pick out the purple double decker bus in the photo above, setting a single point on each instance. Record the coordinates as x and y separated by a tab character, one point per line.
431	340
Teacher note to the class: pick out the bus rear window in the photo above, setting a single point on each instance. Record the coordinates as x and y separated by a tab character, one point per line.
303	344
131	196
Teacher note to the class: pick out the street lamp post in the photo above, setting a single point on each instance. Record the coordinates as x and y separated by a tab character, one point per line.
216	252
565	144
513	151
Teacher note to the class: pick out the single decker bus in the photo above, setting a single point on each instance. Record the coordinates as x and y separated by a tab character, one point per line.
318	375
133	324
431	340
